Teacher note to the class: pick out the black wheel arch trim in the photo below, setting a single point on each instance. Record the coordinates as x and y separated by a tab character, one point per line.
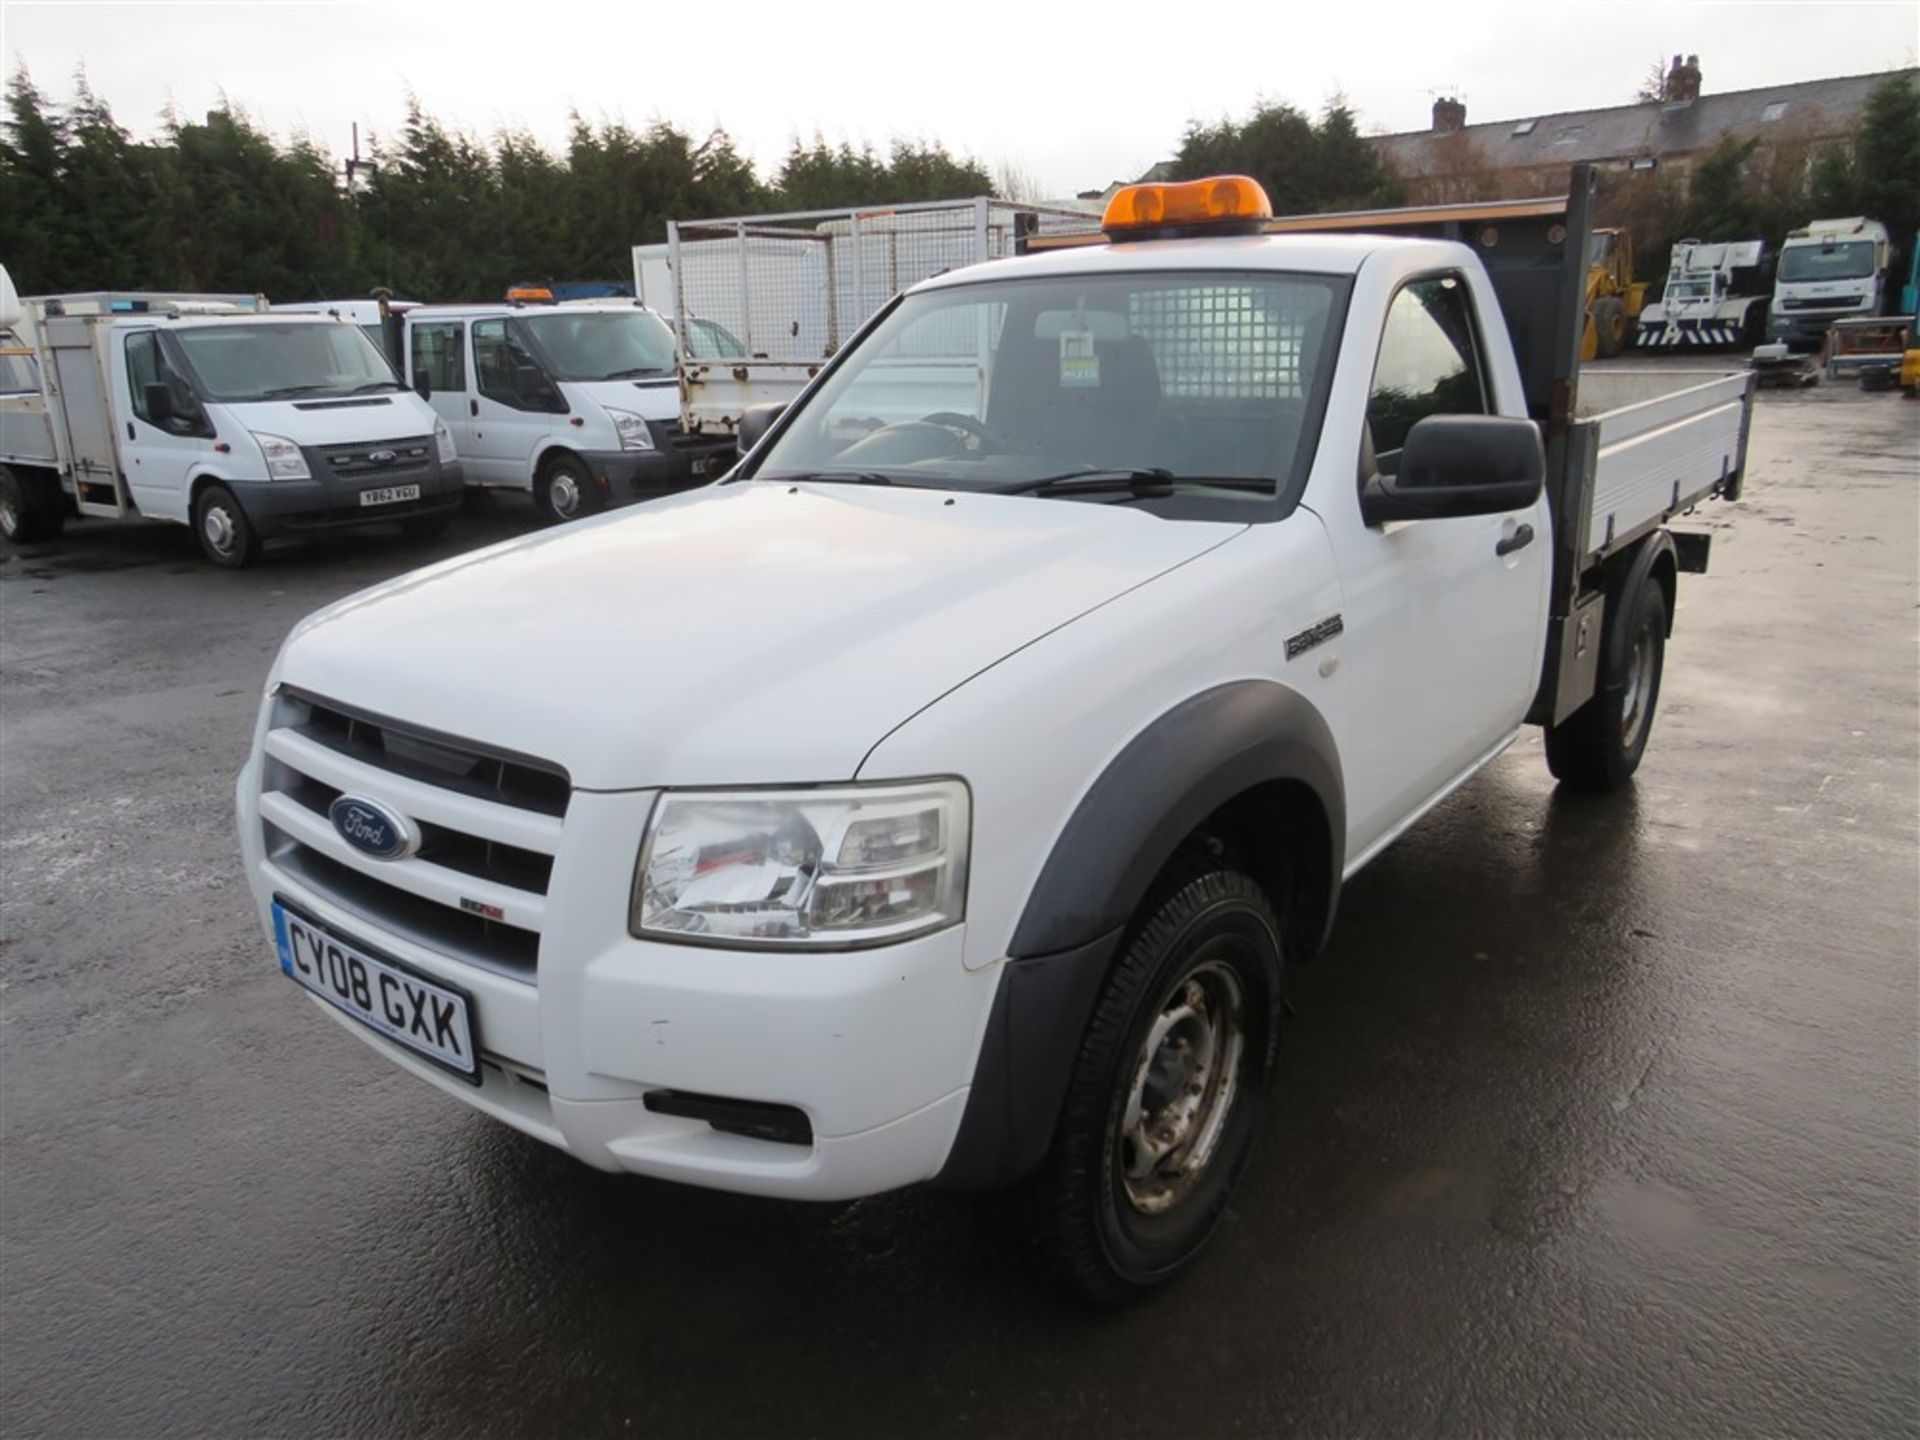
1651	551
1170	777
1185	766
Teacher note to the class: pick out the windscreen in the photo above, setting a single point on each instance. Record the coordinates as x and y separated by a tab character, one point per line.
602	344
1203	378
708	341
280	361
1848	260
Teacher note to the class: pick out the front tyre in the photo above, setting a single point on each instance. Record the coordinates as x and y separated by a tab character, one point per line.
1167	1093
564	490
226	536
1599	746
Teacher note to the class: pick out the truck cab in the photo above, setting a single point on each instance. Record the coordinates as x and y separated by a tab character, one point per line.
1005	724
577	402
208	411
1829	270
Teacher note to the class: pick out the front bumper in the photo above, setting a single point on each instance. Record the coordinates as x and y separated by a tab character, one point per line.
298	507
875	1048
676	462
1806	327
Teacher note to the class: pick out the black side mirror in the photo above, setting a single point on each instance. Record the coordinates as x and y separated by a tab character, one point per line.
422	383
159	402
755	421
532	387
1454	465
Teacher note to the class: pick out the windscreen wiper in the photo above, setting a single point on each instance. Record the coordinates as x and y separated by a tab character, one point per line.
372	385
280	390
1145	484
634	372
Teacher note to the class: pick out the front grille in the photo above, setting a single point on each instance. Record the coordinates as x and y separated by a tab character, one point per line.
379	458
1835	303
489	825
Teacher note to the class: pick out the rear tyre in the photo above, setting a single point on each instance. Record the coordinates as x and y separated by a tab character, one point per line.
1599	746
1610	326
564	490
32	508
227	537
1167	1093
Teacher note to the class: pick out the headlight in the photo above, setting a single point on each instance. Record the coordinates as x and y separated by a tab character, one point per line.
443	442
826	869
284	460
632	430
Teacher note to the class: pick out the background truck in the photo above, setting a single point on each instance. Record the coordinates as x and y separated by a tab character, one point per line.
1615	297
978	772
577	402
1715	297
761	302
1829	270
206	410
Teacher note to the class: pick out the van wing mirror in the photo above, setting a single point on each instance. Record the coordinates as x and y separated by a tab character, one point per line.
532	387
159	402
1454	465
755	421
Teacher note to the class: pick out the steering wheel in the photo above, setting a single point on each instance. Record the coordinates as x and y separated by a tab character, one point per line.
983	438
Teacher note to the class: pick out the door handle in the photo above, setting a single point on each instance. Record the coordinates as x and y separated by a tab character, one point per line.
130	434
1518	540
473	408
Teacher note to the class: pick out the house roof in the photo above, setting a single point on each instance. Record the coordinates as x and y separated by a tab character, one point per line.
1806	109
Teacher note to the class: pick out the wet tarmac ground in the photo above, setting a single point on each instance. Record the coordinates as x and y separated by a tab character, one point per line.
1600	1117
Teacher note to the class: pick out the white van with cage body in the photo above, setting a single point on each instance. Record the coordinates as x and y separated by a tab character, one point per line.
205	410
760	303
976	774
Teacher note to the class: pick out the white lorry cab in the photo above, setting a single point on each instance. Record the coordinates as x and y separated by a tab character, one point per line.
1829	270
976	776
205	410
578	402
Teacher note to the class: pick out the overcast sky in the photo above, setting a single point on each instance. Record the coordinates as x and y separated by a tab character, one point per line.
1074	95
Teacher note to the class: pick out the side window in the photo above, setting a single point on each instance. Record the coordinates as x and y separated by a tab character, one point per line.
441	350
505	370
18	374
147	364
1429	365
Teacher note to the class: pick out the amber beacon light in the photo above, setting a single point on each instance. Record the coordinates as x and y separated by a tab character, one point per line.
1220	200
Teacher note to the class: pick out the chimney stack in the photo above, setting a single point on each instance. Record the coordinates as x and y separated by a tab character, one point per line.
1449	115
1683	80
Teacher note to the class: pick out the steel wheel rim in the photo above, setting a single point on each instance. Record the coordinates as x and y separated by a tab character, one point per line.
1182	1087
218	527
9	517
563	494
1639	686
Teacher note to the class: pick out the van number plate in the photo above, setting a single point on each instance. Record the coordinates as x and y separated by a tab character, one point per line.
388	494
427	1017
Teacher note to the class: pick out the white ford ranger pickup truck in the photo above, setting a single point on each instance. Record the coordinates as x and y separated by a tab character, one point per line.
942	794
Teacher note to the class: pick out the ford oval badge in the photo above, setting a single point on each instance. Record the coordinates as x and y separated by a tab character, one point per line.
372	828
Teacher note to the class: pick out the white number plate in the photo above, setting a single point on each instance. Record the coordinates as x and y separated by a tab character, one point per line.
388	494
426	1016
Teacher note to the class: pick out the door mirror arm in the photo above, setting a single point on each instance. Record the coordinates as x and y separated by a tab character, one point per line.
755	421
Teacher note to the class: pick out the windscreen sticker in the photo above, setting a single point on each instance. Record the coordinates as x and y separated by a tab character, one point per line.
1079	365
